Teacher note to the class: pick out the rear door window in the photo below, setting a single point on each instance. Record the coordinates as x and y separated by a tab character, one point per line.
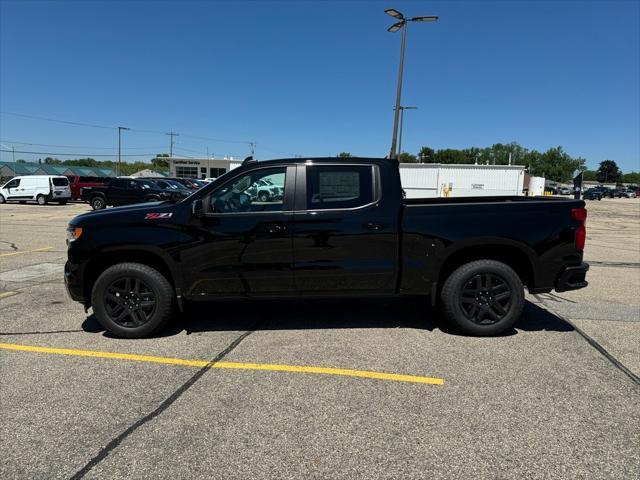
60	181
119	183
339	186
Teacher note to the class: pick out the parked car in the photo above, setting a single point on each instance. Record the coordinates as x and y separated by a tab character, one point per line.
126	191
265	190
629	193
78	182
339	230
172	186
592	194
40	188
565	191
187	182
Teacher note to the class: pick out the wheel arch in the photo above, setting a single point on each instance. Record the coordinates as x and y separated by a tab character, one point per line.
107	258
513	256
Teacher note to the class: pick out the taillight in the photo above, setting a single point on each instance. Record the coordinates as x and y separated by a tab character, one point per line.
580	214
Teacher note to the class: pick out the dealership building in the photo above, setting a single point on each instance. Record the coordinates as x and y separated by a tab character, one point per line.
201	167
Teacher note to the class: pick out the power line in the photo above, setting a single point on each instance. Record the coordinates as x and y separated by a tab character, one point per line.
84	124
80	124
77	146
79	154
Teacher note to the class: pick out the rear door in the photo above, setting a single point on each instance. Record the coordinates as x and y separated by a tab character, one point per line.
344	236
244	246
117	191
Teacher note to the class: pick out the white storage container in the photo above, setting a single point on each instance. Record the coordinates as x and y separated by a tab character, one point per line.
425	180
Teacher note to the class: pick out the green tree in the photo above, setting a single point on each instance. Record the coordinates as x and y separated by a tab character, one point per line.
425	155
589	175
344	155
160	162
608	172
405	157
631	177
554	164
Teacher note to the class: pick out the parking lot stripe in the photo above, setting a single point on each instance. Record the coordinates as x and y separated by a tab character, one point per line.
21	252
395	377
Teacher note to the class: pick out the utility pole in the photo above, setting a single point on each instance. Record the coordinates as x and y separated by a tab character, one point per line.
118	167
171	134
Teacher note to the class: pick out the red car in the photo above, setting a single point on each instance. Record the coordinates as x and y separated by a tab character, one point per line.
78	182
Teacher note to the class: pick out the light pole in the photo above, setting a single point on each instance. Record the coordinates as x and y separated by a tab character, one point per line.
402	109
394	28
118	168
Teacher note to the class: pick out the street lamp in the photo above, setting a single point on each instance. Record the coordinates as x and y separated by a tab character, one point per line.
402	109
394	28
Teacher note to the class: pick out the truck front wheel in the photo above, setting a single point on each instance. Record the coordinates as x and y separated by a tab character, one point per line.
483	298
132	300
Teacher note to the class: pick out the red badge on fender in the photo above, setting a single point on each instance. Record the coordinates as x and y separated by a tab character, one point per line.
157	216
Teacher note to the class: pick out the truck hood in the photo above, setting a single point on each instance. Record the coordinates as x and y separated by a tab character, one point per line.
128	214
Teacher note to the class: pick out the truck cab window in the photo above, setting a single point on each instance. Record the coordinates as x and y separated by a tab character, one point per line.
336	186
12	184
258	191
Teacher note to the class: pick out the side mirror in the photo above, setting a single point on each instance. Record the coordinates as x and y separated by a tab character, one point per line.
197	208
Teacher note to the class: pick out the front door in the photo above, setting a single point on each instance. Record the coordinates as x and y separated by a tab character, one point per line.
13	189
244	243
344	232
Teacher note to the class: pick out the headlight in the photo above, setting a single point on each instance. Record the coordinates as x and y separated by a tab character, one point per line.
73	233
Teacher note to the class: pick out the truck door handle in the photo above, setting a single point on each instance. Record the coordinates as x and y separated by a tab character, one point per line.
373	225
275	227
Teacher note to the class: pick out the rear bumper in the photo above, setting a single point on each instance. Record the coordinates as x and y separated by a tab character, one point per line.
572	278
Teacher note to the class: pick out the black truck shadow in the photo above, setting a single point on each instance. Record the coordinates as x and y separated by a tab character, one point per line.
328	314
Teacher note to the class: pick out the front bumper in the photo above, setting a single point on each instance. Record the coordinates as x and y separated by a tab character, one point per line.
73	282
572	278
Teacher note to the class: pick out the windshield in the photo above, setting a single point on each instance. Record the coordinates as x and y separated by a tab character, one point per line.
176	185
147	184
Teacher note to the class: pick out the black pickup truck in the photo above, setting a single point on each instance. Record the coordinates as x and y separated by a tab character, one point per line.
126	191
340	228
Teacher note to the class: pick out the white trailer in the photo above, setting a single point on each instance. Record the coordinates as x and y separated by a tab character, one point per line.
428	180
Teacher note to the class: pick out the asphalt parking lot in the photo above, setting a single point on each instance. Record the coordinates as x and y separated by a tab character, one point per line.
355	389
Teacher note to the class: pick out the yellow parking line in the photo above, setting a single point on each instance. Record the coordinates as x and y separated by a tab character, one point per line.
20	252
395	377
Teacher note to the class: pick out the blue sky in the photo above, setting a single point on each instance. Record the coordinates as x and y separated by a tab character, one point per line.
317	78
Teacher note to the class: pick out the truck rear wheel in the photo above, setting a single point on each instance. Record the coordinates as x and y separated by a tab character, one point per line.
132	300
483	298
98	203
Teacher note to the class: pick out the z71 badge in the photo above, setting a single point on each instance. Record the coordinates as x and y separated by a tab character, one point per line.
157	216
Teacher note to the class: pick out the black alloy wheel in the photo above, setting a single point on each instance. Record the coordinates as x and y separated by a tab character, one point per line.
129	302
485	299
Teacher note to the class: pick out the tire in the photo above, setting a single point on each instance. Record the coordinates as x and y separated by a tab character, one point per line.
126	290
263	196
98	203
483	298
42	200
2	199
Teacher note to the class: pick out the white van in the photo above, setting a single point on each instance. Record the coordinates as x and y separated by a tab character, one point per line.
41	188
